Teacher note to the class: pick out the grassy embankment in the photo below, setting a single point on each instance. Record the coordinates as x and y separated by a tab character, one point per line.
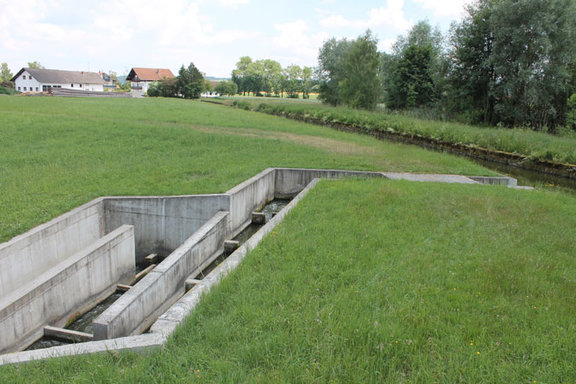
365	281
533	145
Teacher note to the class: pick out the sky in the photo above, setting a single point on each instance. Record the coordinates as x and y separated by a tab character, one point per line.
116	35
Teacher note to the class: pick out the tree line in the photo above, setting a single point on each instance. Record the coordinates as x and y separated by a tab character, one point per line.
507	62
267	77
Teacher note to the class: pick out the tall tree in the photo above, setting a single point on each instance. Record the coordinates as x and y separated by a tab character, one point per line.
512	60
330	71
271	76
361	88
293	80
411	83
306	82
472	74
414	69
5	74
240	74
191	82
533	51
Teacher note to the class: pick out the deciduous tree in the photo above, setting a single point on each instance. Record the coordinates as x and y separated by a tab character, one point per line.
5	73
35	65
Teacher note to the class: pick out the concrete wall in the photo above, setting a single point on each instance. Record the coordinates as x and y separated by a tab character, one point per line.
59	291
137	309
29	255
494	180
161	224
250	195
290	181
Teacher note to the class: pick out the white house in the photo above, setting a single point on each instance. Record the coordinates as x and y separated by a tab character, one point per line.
42	80
141	78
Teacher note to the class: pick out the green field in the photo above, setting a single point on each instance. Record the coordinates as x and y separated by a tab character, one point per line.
364	281
59	153
532	144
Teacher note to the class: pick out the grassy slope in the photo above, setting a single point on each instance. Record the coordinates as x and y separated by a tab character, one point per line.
58	153
535	145
379	281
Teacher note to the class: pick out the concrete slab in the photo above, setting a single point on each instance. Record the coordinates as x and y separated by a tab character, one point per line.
429	178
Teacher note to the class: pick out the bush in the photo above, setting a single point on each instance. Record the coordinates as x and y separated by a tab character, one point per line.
227	88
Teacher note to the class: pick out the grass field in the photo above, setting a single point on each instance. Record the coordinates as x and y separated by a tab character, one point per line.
58	153
534	145
365	280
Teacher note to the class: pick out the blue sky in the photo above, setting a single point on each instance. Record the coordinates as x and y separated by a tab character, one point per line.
213	34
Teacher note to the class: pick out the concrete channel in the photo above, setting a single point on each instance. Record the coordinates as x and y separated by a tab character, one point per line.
60	269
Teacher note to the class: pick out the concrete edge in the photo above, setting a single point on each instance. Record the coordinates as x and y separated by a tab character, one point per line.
130	298
138	343
251	180
54	221
172	318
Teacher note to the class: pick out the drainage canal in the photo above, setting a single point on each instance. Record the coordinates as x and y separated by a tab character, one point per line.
259	218
83	323
269	211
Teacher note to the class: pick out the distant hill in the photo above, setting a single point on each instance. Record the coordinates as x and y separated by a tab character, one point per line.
212	78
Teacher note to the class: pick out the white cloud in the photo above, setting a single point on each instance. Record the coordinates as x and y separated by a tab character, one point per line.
233	2
445	8
296	41
391	15
386	45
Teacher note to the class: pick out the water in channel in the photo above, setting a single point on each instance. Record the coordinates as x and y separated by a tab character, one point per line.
530	178
82	324
270	210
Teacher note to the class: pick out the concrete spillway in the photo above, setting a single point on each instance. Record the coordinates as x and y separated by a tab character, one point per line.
51	273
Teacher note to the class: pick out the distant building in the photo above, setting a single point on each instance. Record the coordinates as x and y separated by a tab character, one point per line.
141	78
42	80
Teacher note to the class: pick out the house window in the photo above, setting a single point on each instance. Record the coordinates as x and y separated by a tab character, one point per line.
24	89
19	89
24	77
80	85
71	85
36	89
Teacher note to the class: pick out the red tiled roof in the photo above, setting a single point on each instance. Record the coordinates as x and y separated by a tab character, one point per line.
149	74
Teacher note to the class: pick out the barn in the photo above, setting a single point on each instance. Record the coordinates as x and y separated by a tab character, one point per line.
42	80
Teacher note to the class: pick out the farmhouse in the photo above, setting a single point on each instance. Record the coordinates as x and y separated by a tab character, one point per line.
141	78
42	80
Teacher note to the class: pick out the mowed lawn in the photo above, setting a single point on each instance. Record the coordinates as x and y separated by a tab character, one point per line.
365	281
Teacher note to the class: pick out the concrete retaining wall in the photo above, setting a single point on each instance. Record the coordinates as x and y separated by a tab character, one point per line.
290	181
29	255
137	309
162	224
492	180
55	295
250	195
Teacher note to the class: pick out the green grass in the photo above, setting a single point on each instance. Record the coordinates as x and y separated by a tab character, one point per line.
58	153
370	281
364	281
534	145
